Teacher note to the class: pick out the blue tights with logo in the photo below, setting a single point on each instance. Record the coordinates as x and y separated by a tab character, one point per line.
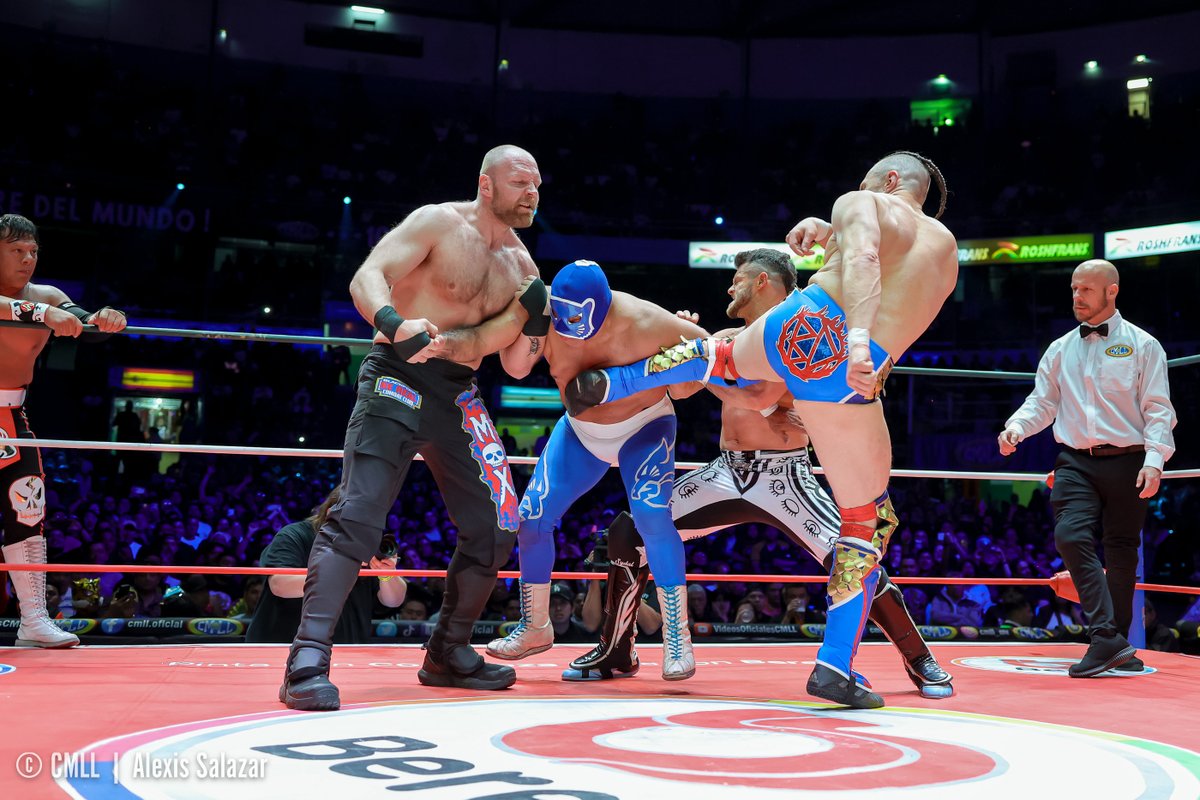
567	469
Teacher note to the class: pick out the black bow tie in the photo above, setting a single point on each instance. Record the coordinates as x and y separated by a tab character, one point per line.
1086	330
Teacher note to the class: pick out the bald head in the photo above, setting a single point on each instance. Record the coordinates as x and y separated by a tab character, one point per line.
1094	287
1099	269
503	156
508	185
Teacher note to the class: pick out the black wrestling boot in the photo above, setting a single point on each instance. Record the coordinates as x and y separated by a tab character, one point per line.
331	576
1103	654
836	688
891	615
615	656
462	668
449	659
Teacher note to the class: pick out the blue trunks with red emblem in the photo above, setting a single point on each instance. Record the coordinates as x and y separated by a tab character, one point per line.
805	340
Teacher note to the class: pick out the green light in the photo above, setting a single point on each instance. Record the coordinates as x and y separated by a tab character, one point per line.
1140	58
942	80
1091	66
948	122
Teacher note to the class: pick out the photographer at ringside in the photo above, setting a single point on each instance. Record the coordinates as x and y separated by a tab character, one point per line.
278	614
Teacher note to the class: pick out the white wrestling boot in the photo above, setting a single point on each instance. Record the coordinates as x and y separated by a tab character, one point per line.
36	629
533	633
679	663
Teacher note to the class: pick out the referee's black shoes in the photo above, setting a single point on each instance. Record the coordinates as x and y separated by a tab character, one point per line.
1104	653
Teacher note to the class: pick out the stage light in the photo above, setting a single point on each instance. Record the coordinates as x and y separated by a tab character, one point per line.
719	220
1140	58
266	309
941	80
346	200
368	10
222	35
179	187
1138	83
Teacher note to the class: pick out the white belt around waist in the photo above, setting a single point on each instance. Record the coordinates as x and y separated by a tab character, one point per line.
11	398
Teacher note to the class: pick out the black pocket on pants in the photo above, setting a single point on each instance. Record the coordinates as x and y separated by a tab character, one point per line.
387	424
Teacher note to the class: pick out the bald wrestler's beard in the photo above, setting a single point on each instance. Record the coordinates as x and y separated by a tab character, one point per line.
513	216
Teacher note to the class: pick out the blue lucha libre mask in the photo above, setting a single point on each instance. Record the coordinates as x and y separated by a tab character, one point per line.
579	300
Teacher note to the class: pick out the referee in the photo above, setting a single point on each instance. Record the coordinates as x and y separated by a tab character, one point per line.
1104	386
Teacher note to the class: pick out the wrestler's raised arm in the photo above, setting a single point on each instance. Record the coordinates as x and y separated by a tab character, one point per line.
856	228
655	323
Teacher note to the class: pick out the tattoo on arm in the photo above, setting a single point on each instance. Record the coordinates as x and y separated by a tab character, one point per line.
534	345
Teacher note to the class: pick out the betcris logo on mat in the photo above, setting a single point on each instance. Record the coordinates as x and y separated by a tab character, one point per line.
390	387
626	749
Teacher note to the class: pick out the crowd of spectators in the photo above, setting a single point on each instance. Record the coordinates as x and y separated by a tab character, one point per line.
223	512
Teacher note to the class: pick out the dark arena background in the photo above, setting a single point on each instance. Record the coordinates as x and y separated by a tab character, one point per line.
219	169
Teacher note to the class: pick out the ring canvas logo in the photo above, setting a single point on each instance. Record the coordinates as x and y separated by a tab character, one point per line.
1034	665
592	749
7	668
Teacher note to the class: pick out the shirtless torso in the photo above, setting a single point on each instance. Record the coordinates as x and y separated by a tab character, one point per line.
918	267
464	278
19	348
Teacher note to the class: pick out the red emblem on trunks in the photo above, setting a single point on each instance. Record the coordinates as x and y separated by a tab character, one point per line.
812	344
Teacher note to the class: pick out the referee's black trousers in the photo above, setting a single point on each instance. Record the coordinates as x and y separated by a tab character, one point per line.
1096	498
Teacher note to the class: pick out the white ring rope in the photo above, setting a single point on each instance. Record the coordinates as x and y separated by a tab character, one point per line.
311	452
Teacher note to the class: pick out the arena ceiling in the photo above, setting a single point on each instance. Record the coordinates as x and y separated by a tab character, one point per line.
789	18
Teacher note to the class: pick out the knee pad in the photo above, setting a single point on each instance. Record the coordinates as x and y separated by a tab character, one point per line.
855	566
624	541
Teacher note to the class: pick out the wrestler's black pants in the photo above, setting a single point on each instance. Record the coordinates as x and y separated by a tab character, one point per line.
1096	497
403	409
22	483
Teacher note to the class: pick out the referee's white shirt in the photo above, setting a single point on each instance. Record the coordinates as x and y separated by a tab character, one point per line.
1103	390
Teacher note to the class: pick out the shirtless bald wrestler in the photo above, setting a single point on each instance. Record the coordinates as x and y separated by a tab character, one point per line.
460	275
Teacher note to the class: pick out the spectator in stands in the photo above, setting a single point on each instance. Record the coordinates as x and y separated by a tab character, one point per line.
952	607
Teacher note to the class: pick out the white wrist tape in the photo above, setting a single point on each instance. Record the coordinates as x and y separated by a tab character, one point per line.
858	336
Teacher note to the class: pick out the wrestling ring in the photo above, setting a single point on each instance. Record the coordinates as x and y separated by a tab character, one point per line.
202	720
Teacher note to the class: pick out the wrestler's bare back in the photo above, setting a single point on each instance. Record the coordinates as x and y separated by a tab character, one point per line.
465	279
19	348
918	261
633	330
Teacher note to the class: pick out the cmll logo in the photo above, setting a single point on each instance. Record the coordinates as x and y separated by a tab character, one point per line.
1119	351
1034	665
590	749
